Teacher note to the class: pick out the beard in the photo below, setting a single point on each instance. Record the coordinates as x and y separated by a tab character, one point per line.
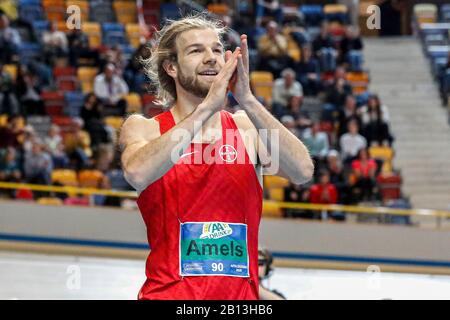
193	85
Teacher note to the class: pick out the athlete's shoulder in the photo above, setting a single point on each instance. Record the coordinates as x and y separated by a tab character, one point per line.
242	120
138	127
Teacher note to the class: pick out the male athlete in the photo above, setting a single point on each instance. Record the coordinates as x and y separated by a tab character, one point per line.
198	168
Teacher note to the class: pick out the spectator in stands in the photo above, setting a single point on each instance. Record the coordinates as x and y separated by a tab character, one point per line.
10	40
308	72
94	123
351	142
338	89
273	50
29	92
268	8
323	40
337	176
317	143
323	192
283	89
375	123
55	45
113	55
10	166
134	74
351	41
78	145
364	172
231	39
92	109
78	43
38	165
12	133
59	157
371	110
297	193
348	113
29	138
111	88
8	99
53	139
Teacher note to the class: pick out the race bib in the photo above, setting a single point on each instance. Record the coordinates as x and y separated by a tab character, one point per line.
213	249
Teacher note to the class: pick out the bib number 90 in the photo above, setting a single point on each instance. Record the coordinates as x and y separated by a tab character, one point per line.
217	267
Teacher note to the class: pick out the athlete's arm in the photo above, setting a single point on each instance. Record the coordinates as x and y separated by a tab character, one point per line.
290	158
147	155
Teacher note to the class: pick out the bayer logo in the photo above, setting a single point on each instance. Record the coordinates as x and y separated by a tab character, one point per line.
228	153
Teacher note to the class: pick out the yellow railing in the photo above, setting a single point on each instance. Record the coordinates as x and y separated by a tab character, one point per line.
268	204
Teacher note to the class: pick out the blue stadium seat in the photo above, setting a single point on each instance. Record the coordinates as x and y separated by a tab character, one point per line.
445	12
114	34
29	51
29	2
169	11
362	98
117	180
73	103
40	27
313	14
31	12
355	59
327	59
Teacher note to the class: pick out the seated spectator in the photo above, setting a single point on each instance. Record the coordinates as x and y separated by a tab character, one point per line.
364	174
91	113
10	40
30	138
8	99
373	107
92	109
231	39
351	142
273	52
12	134
349	112
323	40
38	165
283	89
338	89
337	175
375	123
78	43
268	8
10	166
134	74
59	157
111	88
53	139
78	145
55	45
323	192
308	72
29	92
317	143
297	193
351	41
113	55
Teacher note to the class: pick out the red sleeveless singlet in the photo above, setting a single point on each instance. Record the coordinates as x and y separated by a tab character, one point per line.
200	191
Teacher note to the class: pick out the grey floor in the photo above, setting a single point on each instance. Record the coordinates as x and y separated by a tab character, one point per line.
36	276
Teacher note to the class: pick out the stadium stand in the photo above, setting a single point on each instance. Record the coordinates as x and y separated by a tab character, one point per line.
322	49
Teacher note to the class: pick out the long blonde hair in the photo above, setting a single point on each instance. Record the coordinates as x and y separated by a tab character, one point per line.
164	48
